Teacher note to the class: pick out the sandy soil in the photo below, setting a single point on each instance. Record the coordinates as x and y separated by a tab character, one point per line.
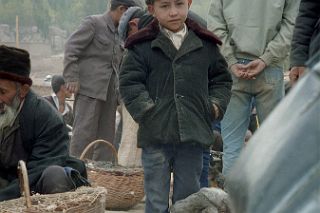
137	209
40	68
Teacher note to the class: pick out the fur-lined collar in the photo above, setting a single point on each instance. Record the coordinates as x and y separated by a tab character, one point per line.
151	31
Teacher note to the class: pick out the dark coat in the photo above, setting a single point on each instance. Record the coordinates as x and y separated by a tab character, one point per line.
169	92
40	138
306	36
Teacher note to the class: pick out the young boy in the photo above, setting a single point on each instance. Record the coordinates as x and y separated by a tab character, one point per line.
174	82
58	99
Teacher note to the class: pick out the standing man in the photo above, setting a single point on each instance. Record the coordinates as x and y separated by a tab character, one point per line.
306	38
91	63
256	39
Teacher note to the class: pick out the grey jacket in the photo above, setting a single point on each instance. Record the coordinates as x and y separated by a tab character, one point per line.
254	29
92	54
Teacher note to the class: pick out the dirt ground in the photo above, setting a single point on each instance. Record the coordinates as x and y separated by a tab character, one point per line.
137	209
40	68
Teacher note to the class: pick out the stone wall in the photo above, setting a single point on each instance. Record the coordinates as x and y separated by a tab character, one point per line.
32	39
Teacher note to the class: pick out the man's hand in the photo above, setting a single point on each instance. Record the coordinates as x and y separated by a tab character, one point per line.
253	69
295	74
238	70
73	87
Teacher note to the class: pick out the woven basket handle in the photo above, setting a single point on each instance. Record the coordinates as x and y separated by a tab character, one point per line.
106	143
24	182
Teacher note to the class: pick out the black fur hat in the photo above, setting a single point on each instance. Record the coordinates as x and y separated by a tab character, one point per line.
15	64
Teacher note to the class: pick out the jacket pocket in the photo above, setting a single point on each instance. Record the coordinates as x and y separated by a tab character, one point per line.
101	42
159	124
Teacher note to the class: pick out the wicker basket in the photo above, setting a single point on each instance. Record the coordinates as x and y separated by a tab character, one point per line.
83	200
124	185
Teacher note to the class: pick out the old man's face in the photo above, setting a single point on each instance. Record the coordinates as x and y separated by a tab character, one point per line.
9	102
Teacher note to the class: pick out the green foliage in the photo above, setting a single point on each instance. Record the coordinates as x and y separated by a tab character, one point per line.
65	14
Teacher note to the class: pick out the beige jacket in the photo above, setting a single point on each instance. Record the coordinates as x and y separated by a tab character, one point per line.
92	54
254	29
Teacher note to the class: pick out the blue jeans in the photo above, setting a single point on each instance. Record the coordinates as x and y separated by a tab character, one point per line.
184	160
204	182
267	90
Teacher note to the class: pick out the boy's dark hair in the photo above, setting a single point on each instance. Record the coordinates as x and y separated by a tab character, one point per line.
149	2
128	3
56	82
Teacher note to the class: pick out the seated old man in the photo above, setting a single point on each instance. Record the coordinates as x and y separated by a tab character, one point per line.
31	130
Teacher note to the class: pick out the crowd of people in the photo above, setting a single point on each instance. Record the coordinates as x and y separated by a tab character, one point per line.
178	79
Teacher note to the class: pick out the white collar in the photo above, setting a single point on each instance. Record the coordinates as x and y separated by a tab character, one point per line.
176	38
56	102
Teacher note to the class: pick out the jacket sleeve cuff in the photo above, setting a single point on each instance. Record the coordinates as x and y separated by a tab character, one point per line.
267	58
218	115
139	111
298	63
231	61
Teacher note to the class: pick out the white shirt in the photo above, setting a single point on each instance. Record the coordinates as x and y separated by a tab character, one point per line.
176	38
56	102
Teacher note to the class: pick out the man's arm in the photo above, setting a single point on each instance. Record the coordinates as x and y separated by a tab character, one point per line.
305	25
309	14
278	48
217	24
74	48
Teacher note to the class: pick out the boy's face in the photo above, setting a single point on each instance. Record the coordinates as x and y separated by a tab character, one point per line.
171	14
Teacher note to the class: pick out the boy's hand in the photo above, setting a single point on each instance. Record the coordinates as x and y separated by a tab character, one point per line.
295	74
